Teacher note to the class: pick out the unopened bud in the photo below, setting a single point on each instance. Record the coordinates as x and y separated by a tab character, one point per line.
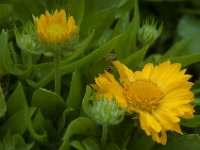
149	32
106	112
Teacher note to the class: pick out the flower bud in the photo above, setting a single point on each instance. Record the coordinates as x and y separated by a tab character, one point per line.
26	42
149	32
106	112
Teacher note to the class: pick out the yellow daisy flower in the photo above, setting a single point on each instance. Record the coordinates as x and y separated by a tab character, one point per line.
55	28
160	95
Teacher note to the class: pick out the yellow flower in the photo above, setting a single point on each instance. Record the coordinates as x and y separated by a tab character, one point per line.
55	28
160	95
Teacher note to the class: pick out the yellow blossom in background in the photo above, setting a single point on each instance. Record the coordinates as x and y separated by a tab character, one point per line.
160	95
55	28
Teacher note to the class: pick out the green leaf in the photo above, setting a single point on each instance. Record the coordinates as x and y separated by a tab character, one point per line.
18	122
91	144
17	100
178	48
143	138
62	119
81	50
187	60
50	104
127	45
192	23
137	58
112	146
14	142
80	6
98	54
75	94
6	14
2	103
24	9
86	98
3	43
40	137
98	21
185	142
81	125
77	144
12	67
191	123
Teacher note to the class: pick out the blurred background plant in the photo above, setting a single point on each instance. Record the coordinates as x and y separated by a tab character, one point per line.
34	117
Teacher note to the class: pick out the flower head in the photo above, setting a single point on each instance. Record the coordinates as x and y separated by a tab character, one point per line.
149	32
160	95
105	112
55	28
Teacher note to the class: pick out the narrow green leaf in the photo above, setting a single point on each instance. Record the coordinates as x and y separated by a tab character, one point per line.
86	99
62	119
81	50
127	45
81	125
136	58
187	60
17	100
2	103
50	104
3	43
75	94
78	15
178	48
98	21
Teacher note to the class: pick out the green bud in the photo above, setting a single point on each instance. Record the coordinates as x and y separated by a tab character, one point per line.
25	42
106	112
149	32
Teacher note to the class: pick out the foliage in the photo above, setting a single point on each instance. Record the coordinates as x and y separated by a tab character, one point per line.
34	117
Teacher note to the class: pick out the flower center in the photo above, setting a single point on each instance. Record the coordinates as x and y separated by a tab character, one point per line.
144	95
55	30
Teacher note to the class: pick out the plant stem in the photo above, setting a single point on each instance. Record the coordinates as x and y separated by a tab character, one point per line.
57	71
104	135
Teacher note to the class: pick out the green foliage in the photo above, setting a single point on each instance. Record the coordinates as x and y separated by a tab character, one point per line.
2	103
17	100
14	142
184	142
50	104
33	117
80	125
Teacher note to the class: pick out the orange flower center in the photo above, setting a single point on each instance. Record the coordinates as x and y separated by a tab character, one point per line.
55	30
143	95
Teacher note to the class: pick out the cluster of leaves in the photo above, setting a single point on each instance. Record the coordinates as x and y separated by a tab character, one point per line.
32	117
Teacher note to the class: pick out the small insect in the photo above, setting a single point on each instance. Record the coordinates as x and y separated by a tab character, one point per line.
109	69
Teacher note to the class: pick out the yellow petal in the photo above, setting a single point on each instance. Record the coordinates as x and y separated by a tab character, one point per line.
126	75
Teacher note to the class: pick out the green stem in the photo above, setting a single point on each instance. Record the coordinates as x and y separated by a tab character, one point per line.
104	135
57	71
